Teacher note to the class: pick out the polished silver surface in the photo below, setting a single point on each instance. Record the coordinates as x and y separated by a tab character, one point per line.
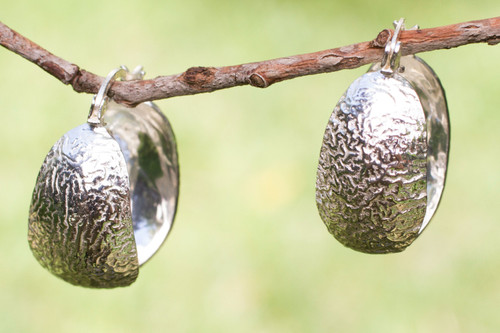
148	145
371	180
106	195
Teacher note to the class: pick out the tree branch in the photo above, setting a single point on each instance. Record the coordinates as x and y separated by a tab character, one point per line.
261	74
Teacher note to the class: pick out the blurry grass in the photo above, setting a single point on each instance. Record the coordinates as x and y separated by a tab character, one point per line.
248	251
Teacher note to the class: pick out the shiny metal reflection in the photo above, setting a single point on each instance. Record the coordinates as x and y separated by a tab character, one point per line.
106	195
384	156
80	224
432	97
371	181
148	145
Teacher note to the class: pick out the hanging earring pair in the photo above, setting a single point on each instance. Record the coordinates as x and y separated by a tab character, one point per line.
106	194
384	156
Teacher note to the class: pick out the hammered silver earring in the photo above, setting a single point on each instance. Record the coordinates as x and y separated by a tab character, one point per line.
106	195
384	156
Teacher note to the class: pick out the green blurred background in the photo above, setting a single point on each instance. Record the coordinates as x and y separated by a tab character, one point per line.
248	252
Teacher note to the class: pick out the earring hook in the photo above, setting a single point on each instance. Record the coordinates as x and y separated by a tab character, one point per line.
392	54
100	100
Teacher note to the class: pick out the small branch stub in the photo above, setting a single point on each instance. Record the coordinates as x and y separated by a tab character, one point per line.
257	80
382	38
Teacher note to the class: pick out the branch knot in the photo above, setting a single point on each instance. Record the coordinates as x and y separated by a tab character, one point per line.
199	77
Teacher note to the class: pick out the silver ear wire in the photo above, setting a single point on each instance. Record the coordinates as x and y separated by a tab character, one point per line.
100	100
390	60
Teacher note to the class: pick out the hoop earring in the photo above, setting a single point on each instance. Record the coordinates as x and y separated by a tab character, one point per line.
106	194
384	155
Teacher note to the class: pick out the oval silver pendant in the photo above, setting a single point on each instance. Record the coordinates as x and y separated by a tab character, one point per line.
383	159
80	223
105	197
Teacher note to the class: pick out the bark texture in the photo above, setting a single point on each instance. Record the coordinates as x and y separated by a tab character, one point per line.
261	74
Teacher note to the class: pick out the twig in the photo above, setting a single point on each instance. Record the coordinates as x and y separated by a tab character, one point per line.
262	74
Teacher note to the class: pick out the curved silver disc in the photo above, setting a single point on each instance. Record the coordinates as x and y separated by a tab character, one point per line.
433	99
80	224
148	144
371	179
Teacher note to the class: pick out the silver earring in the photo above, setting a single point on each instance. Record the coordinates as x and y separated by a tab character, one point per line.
106	195
384	156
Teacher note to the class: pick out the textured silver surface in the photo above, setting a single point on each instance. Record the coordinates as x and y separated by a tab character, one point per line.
371	181
80	225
